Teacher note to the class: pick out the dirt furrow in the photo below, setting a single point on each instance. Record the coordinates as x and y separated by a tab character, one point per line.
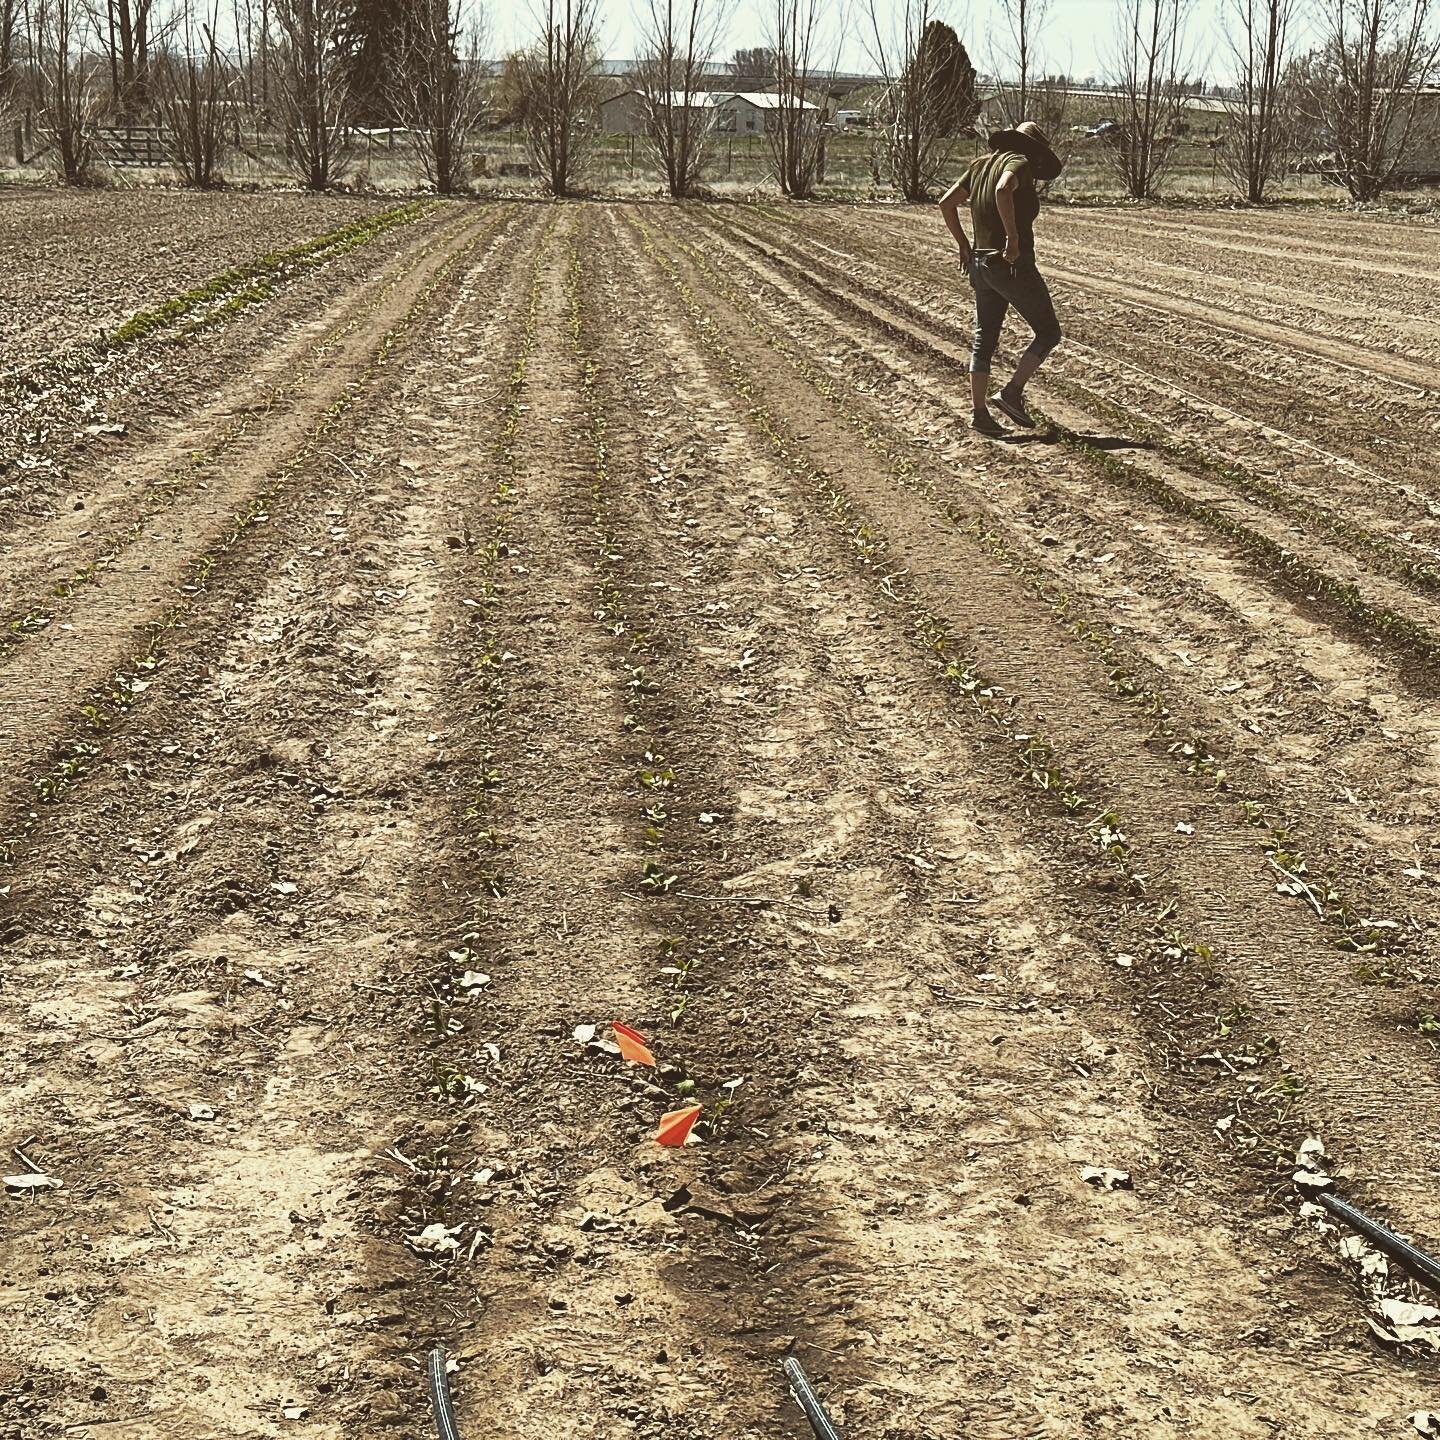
1003	630
594	777
928	971
277	396
248	937
1216	404
63	668
1375	312
85	405
82	260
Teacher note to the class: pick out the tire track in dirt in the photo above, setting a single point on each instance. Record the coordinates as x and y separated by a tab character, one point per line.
1219	886
42	695
305	720
903	851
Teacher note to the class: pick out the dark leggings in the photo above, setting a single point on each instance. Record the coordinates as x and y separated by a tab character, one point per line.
998	286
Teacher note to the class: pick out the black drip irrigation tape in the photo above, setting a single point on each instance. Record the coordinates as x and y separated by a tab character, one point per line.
1425	1268
440	1396
809	1401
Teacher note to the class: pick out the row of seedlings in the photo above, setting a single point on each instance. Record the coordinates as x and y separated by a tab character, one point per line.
1373	550
438	1224
646	722
39	614
1263	1120
1359	932
105	709
1264	1123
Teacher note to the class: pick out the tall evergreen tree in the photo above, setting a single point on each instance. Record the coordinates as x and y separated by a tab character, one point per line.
377	37
950	79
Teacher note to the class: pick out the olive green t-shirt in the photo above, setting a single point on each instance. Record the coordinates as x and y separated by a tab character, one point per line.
981	179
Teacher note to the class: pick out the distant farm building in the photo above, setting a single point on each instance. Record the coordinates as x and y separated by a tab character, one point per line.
624	114
1422	165
753	112
750	112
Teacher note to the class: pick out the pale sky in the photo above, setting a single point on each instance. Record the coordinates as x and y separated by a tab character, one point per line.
1077	37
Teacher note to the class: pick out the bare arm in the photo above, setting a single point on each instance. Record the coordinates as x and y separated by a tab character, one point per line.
950	203
1005	204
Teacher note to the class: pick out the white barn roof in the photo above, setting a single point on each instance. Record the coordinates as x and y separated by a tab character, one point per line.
763	99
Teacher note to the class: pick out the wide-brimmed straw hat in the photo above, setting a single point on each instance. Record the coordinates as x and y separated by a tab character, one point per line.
1028	139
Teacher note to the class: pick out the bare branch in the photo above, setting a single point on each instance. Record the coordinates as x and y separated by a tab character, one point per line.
679	40
66	97
557	81
1148	75
196	101
439	92
1361	90
930	99
1260	129
1017	60
795	117
310	88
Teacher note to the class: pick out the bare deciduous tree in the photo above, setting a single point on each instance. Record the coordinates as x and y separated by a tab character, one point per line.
65	96
124	30
558	89
1016	59
1150	84
679	39
9	53
250	26
440	90
1049	106
795	128
196	99
309	88
1361	90
929	98
1259	133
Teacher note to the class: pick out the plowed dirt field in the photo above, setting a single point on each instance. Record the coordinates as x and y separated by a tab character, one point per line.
445	630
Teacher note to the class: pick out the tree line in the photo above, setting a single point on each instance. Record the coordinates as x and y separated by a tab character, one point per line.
318	71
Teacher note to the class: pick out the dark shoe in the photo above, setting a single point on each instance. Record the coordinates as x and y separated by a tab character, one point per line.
984	423
1014	406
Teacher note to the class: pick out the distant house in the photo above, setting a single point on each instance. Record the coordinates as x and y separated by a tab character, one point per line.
624	114
1423	163
752	112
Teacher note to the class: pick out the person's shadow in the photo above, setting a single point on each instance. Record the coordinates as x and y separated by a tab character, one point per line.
1056	435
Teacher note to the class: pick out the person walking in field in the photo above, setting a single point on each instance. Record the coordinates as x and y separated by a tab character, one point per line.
1000	187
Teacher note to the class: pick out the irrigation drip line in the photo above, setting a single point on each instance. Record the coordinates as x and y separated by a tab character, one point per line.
1423	1267
809	1401
440	1396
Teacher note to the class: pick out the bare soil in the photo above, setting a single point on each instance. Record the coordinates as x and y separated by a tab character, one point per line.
547	615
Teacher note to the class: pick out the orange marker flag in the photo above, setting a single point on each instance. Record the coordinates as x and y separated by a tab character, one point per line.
633	1045
675	1127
